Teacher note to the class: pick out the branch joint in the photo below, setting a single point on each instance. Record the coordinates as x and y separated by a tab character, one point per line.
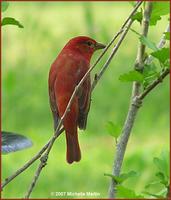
43	160
137	102
138	66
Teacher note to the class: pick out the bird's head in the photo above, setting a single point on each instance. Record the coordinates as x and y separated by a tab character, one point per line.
84	45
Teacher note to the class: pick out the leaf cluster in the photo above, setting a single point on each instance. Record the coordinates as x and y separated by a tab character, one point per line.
161	56
161	179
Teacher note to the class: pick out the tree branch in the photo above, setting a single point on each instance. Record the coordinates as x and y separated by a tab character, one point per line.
29	163
154	84
128	22
36	176
43	160
161	43
103	69
134	105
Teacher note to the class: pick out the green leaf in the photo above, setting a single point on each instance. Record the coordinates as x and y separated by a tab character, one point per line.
167	63
154	19
151	45
165	157
159	9
162	178
131	76
115	178
123	192
113	129
123	177
160	175
4	6
153	195
162	163
137	16
152	184
167	35
11	21
162	54
161	194
149	69
144	40
110	175
150	74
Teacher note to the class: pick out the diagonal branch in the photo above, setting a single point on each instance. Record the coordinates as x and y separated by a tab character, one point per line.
29	163
161	43
103	69
154	84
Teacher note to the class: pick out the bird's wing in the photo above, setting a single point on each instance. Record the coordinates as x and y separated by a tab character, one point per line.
84	101
52	98
12	142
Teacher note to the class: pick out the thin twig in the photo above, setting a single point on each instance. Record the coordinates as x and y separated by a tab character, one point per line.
132	13
160	44
154	84
27	164
103	69
128	22
36	176
43	162
163	40
134	105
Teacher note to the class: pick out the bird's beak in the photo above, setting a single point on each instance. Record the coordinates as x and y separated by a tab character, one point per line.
99	46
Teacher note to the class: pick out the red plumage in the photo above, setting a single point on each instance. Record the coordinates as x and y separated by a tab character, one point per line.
65	73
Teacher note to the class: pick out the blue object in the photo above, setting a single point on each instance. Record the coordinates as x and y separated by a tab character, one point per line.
12	142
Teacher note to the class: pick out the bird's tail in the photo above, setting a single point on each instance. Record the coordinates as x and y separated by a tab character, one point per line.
73	149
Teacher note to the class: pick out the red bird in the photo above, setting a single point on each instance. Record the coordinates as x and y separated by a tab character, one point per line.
66	72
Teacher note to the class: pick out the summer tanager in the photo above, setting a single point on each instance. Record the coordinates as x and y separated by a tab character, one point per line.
66	72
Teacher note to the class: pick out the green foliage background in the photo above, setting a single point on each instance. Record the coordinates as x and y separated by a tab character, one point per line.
26	58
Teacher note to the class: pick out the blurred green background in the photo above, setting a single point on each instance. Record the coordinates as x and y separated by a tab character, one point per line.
27	55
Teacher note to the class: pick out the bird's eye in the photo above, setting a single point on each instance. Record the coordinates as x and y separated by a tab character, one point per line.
90	44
